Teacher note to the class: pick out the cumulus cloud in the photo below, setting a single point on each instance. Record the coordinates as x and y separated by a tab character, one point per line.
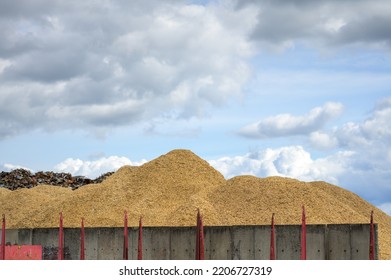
10	167
81	65
323	141
94	168
370	140
373	134
322	23
349	169
287	124
359	160
290	161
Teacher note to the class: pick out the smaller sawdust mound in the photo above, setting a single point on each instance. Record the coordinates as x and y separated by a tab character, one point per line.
24	207
248	200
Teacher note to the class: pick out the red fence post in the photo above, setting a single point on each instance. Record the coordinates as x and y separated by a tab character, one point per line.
2	257
140	240
272	247
82	254
201	240
125	250
303	255
372	239
61	240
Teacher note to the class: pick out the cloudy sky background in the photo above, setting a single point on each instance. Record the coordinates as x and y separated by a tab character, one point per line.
290	88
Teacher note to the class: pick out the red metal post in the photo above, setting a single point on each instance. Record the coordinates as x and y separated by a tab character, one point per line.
201	241
372	239
303	236
140	240
61	240
2	257
272	247
125	250
197	256
82	253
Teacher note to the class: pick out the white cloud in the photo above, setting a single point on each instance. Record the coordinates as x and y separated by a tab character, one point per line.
119	63
4	63
94	168
287	124
333	25
10	167
322	23
373	134
370	140
356	170
291	161
323	141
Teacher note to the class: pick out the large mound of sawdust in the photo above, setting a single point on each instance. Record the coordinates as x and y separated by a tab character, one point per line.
168	190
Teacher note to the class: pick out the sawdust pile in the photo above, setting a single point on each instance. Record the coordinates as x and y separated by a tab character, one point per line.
168	190
324	203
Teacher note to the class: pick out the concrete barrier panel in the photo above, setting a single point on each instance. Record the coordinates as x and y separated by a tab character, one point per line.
133	243
243	243
316	242
338	238
110	242
72	242
288	242
157	243
182	243
359	236
25	236
91	243
262	242
219	243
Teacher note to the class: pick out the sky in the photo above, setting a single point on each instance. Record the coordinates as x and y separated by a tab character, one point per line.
291	88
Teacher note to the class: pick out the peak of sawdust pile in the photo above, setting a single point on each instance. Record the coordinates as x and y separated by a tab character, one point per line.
166	189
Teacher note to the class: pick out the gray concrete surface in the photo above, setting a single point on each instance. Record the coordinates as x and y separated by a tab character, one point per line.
337	242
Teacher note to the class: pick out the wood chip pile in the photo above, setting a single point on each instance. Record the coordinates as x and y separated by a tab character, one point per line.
168	190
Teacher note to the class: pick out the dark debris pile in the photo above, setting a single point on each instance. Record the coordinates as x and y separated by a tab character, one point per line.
21	178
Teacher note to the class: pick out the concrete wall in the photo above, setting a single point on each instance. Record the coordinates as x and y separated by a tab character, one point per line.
350	241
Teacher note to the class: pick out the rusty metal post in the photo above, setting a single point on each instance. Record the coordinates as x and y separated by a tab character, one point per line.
2	257
272	234
201	240
61	239
140	240
197	255
82	253
125	250
372	239
303	255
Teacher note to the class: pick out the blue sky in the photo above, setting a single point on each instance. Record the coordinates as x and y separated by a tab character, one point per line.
289	88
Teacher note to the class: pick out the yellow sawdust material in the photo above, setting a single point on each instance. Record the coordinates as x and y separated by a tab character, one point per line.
4	192
24	207
168	190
